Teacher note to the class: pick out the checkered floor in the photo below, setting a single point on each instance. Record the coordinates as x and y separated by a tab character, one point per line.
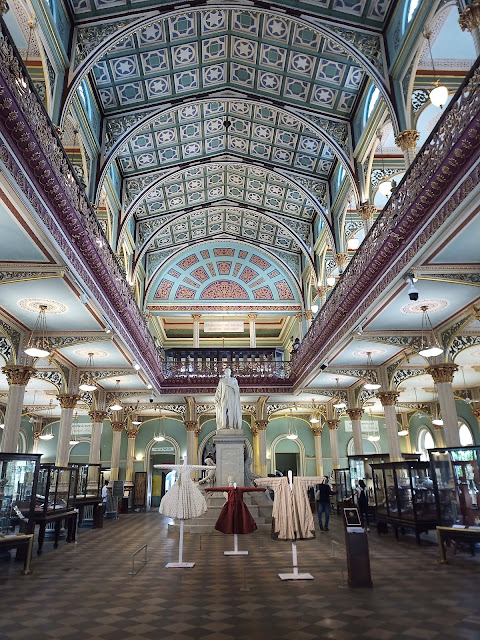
85	591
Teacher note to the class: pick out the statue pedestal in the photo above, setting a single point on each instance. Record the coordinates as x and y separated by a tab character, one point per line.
229	444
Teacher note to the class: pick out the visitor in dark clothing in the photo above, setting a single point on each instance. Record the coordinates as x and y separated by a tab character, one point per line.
323	498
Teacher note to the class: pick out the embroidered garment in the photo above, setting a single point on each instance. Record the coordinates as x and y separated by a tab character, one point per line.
235	516
184	500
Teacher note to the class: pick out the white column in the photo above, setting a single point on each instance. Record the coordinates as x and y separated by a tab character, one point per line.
262	447
196	330
17	377
299	317
317	431
252	329
442	375
132	431
97	425
388	399
68	402
356	418
192	429
333	429
117	426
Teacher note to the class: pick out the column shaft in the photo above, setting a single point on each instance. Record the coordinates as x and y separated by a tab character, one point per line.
252	330
392	433
116	442
130	459
94	454
317	439
13	418
356	418
449	414
262	452
333	429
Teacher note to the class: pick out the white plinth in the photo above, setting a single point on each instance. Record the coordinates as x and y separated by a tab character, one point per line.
229	444
179	565
295	576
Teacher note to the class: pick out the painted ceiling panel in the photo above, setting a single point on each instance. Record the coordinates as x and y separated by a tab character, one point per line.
15	243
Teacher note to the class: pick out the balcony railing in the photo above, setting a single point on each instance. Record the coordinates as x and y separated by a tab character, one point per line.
247	373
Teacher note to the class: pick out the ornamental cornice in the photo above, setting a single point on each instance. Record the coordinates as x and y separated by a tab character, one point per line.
442	372
54	377
6	350
11	333
68	400
18	374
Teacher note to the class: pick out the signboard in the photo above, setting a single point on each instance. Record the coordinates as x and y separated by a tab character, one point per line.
162	450
117	490
368	426
223	326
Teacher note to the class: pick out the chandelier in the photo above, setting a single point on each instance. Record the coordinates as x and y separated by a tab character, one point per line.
160	437
38	345
89	382
429	346
48	435
373	437
292	433
439	94
74	440
370	379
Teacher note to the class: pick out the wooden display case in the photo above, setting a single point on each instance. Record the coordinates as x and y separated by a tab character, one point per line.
343	488
88	494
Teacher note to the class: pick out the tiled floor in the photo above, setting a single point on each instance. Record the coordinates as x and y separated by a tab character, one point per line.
84	591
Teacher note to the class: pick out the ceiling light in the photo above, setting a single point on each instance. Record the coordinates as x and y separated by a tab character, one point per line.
314	308
116	406
38	347
403	432
331	281
439	93
385	188
149	386
353	244
135	365
74	442
108	328
159	438
373	438
339	401
46	436
2	426
429	348
437	421
314	420
371	383
136	422
89	383
292	436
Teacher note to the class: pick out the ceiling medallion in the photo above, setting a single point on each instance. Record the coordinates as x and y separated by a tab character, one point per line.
34	304
363	353
84	353
432	304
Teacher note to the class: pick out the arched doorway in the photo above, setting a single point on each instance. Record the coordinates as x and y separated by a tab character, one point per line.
166	451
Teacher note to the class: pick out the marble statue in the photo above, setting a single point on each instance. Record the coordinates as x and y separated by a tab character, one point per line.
210	476
227	402
249	474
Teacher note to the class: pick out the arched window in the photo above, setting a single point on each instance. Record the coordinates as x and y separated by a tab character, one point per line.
425	442
465	433
371	102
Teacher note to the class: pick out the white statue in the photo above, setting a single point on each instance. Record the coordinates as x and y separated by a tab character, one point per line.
210	476
227	402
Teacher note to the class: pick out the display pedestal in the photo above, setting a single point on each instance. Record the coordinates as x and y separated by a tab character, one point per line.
180	564
295	575
358	558
235	551
230	461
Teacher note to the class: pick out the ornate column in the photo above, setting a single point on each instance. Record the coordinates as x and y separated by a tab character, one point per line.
299	317
355	416
342	261
322	294
317	431
407	142
253	331
196	330
367	213
260	461
469	20
68	402
308	318
97	424
117	427
442	375
132	430
192	429
333	428
388	400
17	378
439	441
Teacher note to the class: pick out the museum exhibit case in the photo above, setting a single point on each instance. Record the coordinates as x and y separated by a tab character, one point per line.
405	496
342	485
88	494
456	474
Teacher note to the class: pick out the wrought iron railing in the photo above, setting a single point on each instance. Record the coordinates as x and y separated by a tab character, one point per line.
208	373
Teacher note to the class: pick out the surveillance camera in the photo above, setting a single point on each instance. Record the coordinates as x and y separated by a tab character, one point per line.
412	289
151	397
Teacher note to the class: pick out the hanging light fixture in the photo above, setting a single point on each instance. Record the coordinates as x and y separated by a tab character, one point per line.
436	418
353	243
160	437
339	401
385	187
73	440
38	345
314	308
331	281
292	433
116	406
135	420
315	419
48	435
371	382
467	398
89	383
371	436
429	348
439	94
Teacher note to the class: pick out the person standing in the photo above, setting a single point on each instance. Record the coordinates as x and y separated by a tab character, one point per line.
362	501
104	495
322	496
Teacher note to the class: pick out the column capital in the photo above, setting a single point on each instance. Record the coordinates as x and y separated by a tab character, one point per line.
470	17
299	316
317	430
36	435
132	430
333	424
367	211
355	414
387	398
117	425
322	291
196	316
254	430
437	427
261	424
18	374
97	416
476	413
407	139
191	425
342	259
442	372
252	316
68	400
308	314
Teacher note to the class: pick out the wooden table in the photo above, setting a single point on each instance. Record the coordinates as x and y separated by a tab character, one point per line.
469	536
20	540
70	518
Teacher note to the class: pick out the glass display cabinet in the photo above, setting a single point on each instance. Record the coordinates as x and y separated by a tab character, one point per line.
405	496
18	485
88	495
343	487
456	474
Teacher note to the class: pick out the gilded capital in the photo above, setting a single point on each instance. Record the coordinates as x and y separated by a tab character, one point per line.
132	430
97	416
299	317
333	424
476	413
191	425
388	398
254	430
18	374
407	139
470	17
322	291
252	316
442	372
68	400
36	435
367	211
308	314
437	427
355	414
261	424
117	425
196	316
342	259
317	430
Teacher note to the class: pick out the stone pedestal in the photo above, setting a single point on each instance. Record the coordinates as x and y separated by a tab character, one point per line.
229	444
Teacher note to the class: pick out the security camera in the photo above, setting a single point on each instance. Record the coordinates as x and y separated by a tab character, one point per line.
151	397
412	289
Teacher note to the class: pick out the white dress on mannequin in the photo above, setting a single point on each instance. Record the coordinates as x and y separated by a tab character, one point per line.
184	500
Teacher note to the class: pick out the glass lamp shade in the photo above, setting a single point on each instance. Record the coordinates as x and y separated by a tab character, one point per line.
353	244
438	422
37	352
136	422
159	438
374	438
116	407
339	405
46	436
385	188
331	281
73	442
314	420
371	386
87	386
439	96
292	436
2	426
430	351
314	308
403	432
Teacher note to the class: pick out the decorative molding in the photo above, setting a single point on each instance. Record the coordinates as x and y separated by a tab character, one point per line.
404	374
459	343
387	398
68	400
18	374
442	372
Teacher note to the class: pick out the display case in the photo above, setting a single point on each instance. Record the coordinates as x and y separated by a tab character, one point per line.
56	489
405	496
456	475
343	488
18	486
88	494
